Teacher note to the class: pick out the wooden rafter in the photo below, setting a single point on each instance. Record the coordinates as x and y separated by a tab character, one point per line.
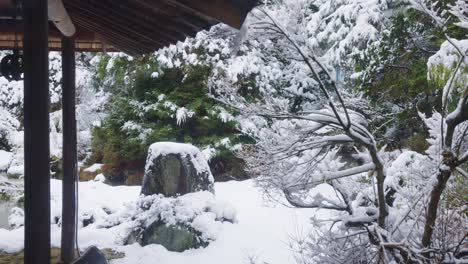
135	26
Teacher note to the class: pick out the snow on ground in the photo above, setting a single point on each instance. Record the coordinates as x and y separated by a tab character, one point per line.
262	230
5	159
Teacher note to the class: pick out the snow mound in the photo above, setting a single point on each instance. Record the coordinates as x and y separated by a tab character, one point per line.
5	160
16	171
200	211
94	168
196	156
100	178
16	218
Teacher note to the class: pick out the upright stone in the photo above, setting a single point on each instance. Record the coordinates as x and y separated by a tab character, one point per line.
176	169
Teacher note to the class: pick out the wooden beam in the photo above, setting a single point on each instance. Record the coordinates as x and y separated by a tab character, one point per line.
85	40
122	44
70	167
226	11
36	133
9	26
153	23
132	22
125	30
112	32
54	45
175	15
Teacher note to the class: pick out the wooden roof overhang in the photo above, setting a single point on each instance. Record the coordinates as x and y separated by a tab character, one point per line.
132	26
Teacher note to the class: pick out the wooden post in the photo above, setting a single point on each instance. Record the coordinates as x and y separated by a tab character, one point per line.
70	167
36	133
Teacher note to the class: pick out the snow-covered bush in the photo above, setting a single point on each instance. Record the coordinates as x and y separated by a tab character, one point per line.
200	213
162	97
8	125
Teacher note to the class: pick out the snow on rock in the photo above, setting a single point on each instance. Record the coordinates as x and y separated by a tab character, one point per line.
8	122
178	223
10	189
164	148
94	168
5	160
16	138
175	168
100	178
15	171
182	209
16	218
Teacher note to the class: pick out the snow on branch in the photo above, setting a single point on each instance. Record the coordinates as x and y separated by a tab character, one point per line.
334	176
459	9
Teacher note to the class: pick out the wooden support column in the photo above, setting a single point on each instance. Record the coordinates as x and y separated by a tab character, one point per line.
70	167
36	133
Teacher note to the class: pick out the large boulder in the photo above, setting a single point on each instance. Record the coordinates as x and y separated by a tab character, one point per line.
176	169
176	237
178	223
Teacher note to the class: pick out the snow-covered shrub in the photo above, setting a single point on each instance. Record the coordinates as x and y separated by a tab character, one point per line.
163	97
8	124
16	218
199	213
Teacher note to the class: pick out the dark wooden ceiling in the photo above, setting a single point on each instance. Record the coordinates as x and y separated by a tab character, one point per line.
136	26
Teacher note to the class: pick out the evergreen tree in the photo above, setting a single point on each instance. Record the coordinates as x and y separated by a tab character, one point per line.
162	97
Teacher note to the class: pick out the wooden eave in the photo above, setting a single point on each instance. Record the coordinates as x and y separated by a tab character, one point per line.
85	40
133	26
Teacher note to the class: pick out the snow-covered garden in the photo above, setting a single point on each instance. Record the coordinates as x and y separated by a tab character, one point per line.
259	230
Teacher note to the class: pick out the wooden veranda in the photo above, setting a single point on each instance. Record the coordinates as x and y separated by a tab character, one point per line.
34	27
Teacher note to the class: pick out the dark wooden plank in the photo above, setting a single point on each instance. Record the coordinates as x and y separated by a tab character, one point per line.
226	11
121	45
131	19
36	133
115	35
184	8
153	21
177	16
119	27
70	167
126	44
